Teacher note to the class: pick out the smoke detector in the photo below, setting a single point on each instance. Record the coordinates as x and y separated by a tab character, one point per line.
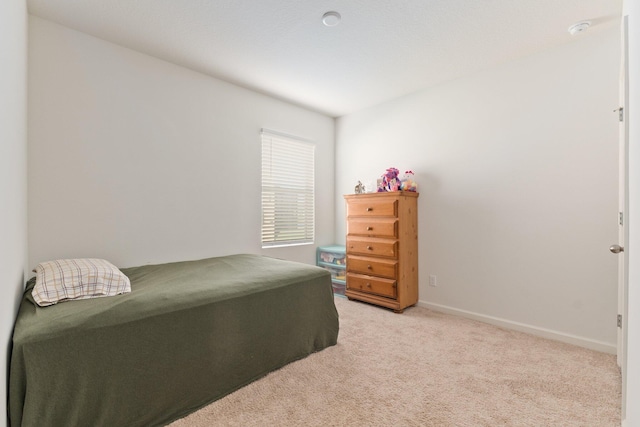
579	27
331	19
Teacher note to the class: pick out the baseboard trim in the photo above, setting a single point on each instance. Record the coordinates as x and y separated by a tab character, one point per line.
533	330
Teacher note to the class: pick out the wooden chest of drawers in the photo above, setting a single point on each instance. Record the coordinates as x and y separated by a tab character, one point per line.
382	248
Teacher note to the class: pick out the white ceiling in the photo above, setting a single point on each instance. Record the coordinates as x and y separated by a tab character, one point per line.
382	49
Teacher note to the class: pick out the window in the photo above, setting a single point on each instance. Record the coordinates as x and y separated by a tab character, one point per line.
288	203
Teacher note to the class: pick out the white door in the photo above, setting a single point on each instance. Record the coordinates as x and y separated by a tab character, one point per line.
623	265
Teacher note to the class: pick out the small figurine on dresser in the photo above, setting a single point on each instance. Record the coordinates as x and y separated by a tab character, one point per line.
359	188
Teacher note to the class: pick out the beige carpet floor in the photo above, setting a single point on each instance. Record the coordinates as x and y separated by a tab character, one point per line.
424	368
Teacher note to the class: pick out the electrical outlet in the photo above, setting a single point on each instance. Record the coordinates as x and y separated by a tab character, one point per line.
433	281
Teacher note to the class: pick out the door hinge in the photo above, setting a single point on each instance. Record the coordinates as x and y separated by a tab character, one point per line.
619	320
620	218
621	114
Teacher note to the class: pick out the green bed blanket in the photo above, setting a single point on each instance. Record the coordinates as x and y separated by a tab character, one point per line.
189	333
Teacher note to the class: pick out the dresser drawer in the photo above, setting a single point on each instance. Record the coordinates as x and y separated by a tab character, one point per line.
372	246
373	285
373	266
372	208
385	227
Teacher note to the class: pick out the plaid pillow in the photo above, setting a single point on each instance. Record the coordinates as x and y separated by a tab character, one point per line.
70	279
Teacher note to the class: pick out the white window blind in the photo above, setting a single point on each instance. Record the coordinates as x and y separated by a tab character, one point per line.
288	202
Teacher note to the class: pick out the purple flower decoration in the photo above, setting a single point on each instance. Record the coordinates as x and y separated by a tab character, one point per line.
390	181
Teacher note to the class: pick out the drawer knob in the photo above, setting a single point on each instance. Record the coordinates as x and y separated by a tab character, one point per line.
368	285
369	248
369	267
369	228
369	209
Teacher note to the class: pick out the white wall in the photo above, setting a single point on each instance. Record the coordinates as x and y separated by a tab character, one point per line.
139	161
632	9
517	173
13	174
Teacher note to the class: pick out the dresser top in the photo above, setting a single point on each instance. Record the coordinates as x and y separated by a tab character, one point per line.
384	194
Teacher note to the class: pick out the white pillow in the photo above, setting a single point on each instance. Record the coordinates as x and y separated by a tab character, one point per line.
70	279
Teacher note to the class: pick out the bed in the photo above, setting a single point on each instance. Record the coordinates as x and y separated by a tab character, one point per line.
188	333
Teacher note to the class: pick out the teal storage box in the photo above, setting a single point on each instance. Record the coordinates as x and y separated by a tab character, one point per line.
334	259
